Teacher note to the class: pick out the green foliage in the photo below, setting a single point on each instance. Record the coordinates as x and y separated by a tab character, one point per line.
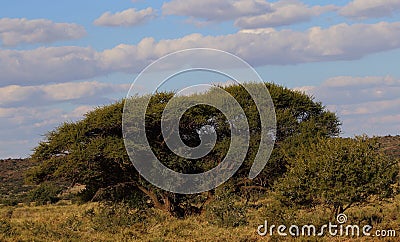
298	118
45	192
89	152
275	212
298	114
125	193
338	173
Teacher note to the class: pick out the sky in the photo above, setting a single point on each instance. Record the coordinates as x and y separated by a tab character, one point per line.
61	59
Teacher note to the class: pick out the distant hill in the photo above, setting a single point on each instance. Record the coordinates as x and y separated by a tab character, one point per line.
12	187
391	145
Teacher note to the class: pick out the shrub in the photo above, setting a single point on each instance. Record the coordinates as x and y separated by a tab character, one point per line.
114	217
338	173
44	193
226	210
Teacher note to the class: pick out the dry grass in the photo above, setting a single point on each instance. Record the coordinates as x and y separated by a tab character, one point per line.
87	222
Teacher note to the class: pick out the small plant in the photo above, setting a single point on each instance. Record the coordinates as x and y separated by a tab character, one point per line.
72	223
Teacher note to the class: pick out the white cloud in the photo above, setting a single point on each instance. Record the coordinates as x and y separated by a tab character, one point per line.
55	117
285	12
344	90
72	90
258	47
33	117
28	112
246	13
48	64
369	81
214	10
363	9
11	148
128	17
15	95
14	31
365	104
22	127
370	107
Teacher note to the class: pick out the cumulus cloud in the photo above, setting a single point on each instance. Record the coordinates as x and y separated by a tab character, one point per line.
246	13
364	104
14	31
15	95
48	64
285	12
128	17
31	111
40	116
258	47
214	10
363	9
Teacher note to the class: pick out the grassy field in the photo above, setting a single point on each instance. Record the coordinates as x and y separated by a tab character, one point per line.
94	222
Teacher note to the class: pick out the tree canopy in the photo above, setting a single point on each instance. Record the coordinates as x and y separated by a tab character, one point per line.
92	152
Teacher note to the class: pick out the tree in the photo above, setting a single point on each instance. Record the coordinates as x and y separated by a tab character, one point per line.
91	151
338	173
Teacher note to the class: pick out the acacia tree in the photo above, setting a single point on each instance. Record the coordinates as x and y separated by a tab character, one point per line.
92	152
338	173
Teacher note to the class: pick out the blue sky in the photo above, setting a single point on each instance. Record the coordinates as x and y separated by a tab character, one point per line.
60	59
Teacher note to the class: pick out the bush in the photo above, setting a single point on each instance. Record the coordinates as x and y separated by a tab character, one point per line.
226	210
44	193
338	173
121	193
10	201
114	217
276	212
